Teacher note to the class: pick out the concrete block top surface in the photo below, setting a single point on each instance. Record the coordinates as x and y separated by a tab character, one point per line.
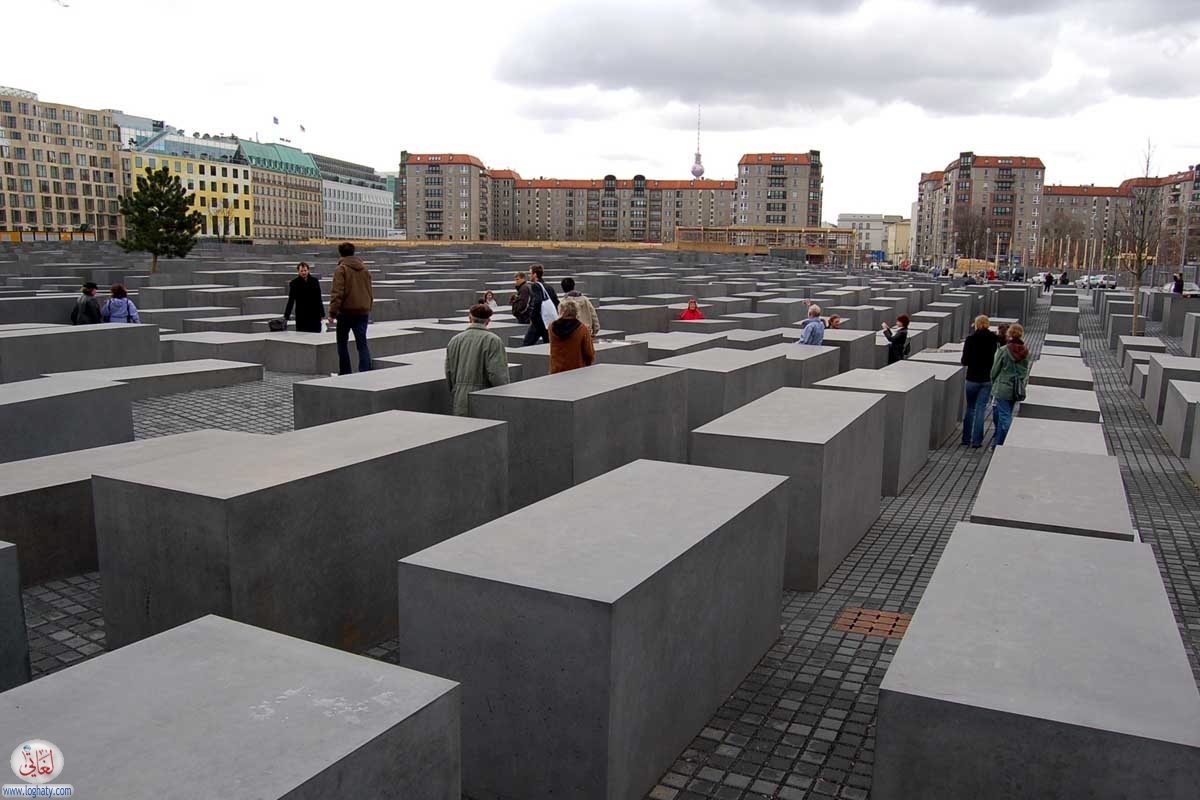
794	415
936	357
249	466
1061	367
135	371
1052	627
717	359
878	380
1053	434
1167	362
1077	399
221	337
1188	390
845	335
940	371
272	711
1054	490
56	386
800	352
675	339
568	544
68	330
577	384
376	379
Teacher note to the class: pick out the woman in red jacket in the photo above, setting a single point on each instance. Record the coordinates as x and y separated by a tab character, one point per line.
692	311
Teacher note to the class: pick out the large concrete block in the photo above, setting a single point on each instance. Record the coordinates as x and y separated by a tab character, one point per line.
1191	335
668	345
702	325
590	653
945	326
155	380
1064	321
722	379
828	444
46	503
535	359
1162	370
570	427
1176	307
1116	326
1056	491
1064	298
1053	402
151	297
1061	340
238	323
1066	373
419	387
28	353
1179	415
14	644
1013	302
243	347
293	532
752	340
637	318
54	415
1141	377
1053	434
1135	357
755	321
910	396
316	353
1039	665
946	410
283	719
173	318
726	305
807	363
788	309
857	348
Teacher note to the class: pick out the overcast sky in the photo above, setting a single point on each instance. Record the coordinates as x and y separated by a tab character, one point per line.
885	89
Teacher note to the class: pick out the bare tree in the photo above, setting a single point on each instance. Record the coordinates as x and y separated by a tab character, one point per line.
970	229
1141	228
1062	227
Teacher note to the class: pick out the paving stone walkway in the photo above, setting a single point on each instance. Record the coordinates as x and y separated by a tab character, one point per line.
801	725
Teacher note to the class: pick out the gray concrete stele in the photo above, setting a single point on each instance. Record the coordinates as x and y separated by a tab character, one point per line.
14	642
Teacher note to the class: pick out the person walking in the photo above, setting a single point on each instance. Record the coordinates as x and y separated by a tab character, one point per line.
812	330
692	311
350	304
1177	287
978	355
586	311
475	359
1010	370
87	307
539	293
518	301
304	295
898	341
570	340
118	307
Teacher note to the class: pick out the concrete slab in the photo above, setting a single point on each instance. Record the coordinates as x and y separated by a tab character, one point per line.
535	359
14	642
1066	373
985	696
1056	491
754	321
569	427
1179	416
296	720
1053	434
1053	402
1141	376
667	345
567	631
214	345
702	325
722	379
857	348
946	410
807	363
1141	344
66	412
1061	340
1162	370
827	443
152	297
172	318
634	318
906	434
1064	321
316	353
1191	335
295	532
28	353
1176	307
1062	352
236	323
155	380
1116	326
752	340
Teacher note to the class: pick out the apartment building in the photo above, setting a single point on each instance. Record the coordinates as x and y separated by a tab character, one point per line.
871	232
896	246
780	189
356	201
61	168
446	196
221	190
986	207
286	186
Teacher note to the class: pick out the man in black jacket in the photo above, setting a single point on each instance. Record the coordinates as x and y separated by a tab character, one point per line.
87	307
304	294
540	292
979	351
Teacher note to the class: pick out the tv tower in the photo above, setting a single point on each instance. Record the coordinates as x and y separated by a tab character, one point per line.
698	167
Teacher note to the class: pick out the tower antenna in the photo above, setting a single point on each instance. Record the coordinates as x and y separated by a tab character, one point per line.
698	166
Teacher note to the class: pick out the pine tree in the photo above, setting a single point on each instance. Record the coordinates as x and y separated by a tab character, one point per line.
159	218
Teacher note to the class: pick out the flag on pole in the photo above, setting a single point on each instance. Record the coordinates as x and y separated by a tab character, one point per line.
275	120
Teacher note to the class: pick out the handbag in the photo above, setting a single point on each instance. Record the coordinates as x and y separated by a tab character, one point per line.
1018	390
276	325
548	311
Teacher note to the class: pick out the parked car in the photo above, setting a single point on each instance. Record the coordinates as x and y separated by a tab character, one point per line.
1038	278
1108	282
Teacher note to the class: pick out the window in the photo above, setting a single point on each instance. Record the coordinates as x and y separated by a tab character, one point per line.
137	162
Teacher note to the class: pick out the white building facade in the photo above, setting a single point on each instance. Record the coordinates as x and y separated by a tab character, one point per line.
357	212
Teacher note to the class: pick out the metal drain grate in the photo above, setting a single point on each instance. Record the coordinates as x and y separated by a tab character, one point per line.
872	622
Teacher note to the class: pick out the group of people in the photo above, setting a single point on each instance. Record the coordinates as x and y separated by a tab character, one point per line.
117	308
350	300
997	369
812	331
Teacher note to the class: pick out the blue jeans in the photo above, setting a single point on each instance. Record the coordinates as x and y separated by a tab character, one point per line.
978	395
1003	413
358	324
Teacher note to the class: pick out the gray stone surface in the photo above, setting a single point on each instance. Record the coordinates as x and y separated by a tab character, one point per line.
53	415
28	353
1134	357
172	318
1062	352
151	297
535	359
828	444
752	340
1191	335
1061	340
1162	370
590	653
910	397
788	309
1066	373
155	380
1053	434
297	532
46	503
1056	491
1179	416
1013	302
1118	325
807	363
1063	298
1039	666
244	347
667	345
14	645
419	387
1064	321
1141	344
702	325
945	326
236	323
634	318
1176	307
857	348
1141	376
755	321
282	718
1052	402
946	411
721	379
567	428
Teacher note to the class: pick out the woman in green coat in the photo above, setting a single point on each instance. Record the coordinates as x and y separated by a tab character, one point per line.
1010	368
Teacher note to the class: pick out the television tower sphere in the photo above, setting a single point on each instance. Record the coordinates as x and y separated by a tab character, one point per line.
697	168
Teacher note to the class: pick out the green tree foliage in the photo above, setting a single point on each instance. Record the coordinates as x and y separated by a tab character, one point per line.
159	218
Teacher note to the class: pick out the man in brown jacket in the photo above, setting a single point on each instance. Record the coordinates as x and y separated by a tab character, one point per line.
570	340
350	304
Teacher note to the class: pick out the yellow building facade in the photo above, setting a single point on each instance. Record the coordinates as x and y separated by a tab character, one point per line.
221	190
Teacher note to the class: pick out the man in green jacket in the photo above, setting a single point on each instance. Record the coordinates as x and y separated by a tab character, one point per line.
475	359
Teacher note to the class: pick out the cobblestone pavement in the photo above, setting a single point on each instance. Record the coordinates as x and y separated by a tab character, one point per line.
801	725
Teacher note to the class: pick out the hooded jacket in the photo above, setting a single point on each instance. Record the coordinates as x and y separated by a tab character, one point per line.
691	313
587	311
978	355
1011	365
475	359
351	292
570	345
